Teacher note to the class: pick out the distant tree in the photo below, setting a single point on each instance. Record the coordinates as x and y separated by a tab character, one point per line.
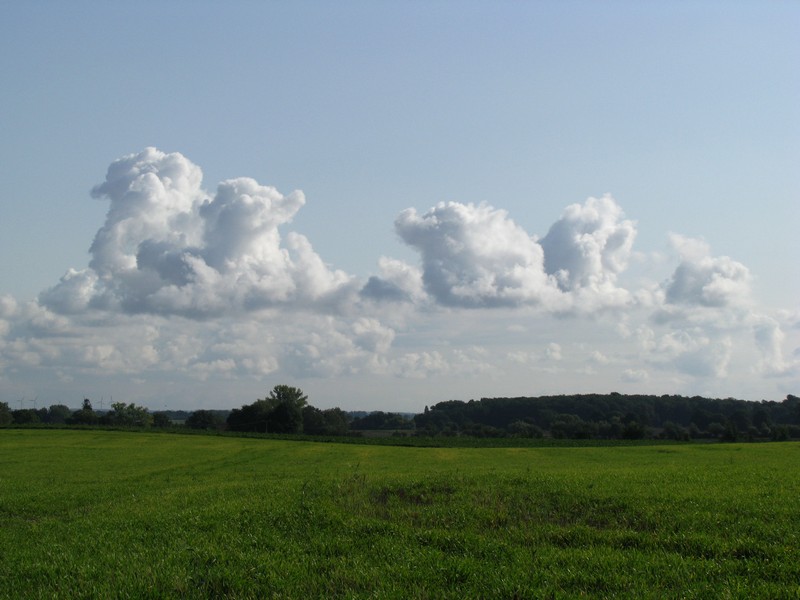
336	421
382	420
761	417
281	394
571	426
161	419
250	417
524	429
127	415
287	417
58	413
781	433
26	416
716	429
673	431
731	432
204	419
84	416
314	421
280	412
740	419
5	414
634	430
792	407
611	429
332	421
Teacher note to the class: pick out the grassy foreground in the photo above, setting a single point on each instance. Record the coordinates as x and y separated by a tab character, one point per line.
141	515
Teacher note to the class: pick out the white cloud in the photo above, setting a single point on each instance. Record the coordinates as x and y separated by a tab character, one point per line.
475	256
372	336
420	365
185	287
167	248
553	351
770	340
398	281
74	292
8	306
703	280
589	245
635	375
691	351
520	357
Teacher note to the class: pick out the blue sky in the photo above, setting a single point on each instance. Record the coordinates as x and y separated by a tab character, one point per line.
432	254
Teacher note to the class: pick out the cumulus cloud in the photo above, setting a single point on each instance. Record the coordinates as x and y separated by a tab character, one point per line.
166	247
372	336
8	306
635	375
475	256
74	293
769	338
703	280
260	303
398	282
553	351
419	365
695	351
589	245
707	303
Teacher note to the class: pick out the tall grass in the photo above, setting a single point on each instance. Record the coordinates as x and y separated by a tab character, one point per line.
138	515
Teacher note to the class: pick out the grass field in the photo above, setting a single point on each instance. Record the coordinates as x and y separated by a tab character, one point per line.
140	515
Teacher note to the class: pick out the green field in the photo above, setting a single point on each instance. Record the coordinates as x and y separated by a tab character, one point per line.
107	514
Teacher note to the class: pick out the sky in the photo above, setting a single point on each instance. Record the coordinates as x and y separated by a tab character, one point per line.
392	204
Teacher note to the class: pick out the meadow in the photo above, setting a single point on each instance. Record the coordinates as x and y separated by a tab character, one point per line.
109	514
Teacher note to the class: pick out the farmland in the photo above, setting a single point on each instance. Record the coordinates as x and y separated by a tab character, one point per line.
138	514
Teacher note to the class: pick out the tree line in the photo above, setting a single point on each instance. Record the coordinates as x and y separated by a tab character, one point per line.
285	410
615	416
120	415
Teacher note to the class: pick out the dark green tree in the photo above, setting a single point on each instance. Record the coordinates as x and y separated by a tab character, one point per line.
313	421
58	413
286	414
204	419
336	421
161	419
287	417
280	412
381	420
127	415
5	414
84	416
287	394
251	417
26	416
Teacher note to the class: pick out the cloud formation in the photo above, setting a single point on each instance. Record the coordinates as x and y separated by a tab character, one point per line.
589	245
703	280
258	302
475	256
166	247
